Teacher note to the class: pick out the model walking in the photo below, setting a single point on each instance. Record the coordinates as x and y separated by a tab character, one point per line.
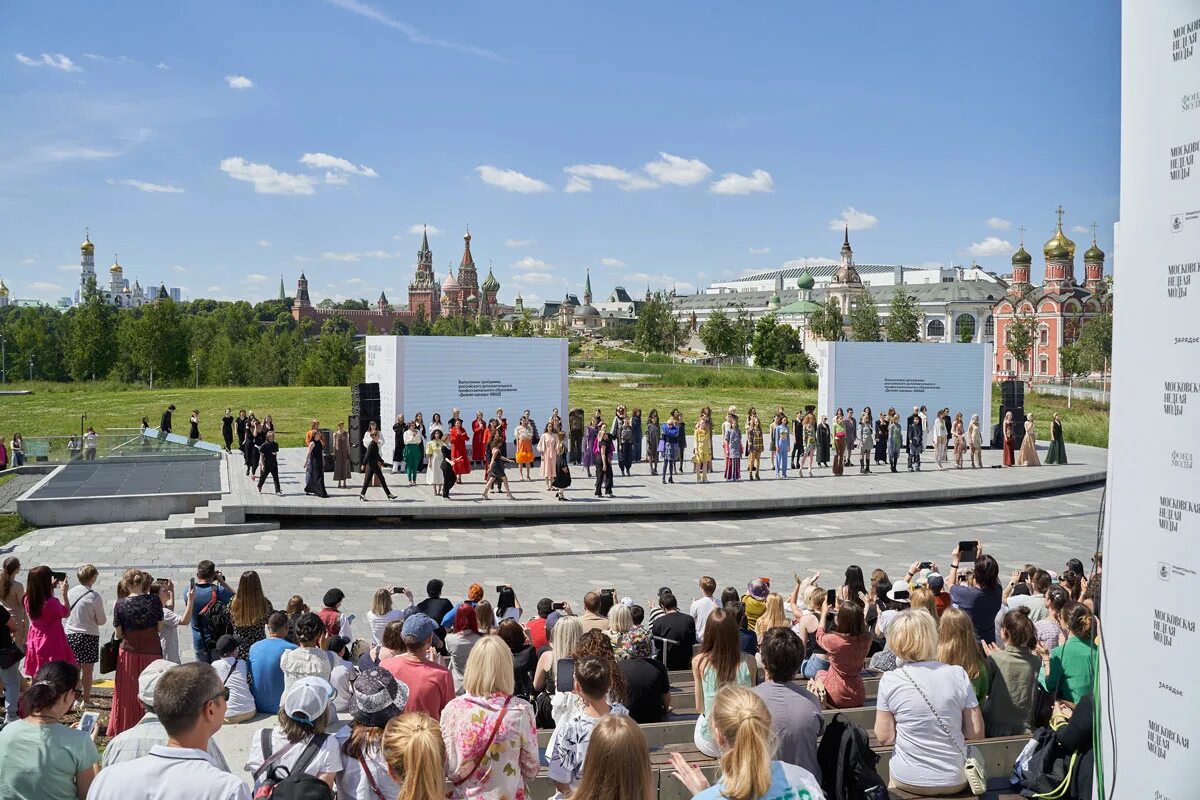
604	463
635	420
808	443
478	438
548	446
497	461
939	441
975	440
626	439
373	466
434	458
960	440
314	466
399	428
269	453
575	427
701	450
589	443
851	423
881	437
754	448
240	426
194	430
1058	446
824	441
460	460
1028	456
781	435
895	440
341	455
524	438
916	440
671	433
227	429
839	443
653	437
1010	442
412	451
866	441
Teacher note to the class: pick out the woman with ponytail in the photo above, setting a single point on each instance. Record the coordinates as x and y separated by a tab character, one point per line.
416	756
1012	670
1069	670
742	725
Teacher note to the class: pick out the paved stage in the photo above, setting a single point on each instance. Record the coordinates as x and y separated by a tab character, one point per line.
645	494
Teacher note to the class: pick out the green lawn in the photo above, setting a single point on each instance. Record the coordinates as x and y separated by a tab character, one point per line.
54	409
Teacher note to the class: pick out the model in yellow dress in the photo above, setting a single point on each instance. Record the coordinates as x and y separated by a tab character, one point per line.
702	450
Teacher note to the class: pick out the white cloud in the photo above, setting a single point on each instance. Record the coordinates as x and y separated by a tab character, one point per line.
534	277
178	268
854	219
68	268
354	281
518	242
531	263
998	224
577	184
263	243
266	179
421	228
144	186
333	163
109	59
162	65
624	179
254	277
1081	229
510	180
991	246
359	255
677	170
658	282
53	60
43	286
219	289
239	82
336	179
732	183
70	152
758	251
411	33
612	262
28	260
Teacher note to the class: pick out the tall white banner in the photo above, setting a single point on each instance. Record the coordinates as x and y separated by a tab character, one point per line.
1152	546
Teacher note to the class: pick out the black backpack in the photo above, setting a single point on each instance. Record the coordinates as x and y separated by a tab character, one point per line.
213	621
848	763
294	784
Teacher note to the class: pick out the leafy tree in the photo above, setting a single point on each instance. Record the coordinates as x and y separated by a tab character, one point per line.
420	325
523	325
864	322
90	346
743	329
718	335
904	320
826	322
801	362
372	330
399	328
774	342
657	331
1021	333
1095	343
332	360
159	348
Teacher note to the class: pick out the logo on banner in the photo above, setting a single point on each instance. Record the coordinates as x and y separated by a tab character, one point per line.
1183	41
1179	278
1182	158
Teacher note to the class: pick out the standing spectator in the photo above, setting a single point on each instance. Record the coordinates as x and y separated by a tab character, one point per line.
1051	630
310	659
536	627
265	669
191	708
795	711
566	758
382	612
430	685
136	621
149	731
647	684
168	634
416	756
1012	676
1038	583
235	677
916	703
720	662
10	675
491	739
704	605
17	445
1070	668
40	757
461	641
982	598
209	582
846	647
305	717
12	597
3	455
249	609
376	699
675	633
89	444
47	641
83	625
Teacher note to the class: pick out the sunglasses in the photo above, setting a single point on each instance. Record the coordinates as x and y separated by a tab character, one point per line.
224	693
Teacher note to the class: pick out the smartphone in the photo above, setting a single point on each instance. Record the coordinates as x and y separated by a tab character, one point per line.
162	581
608	591
968	551
831	597
558	606
397	590
58	577
1023	577
500	588
925	564
87	721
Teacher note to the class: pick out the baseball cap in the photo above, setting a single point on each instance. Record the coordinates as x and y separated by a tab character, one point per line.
418	627
475	592
227	644
337	644
759	588
149	679
376	697
935	582
308	698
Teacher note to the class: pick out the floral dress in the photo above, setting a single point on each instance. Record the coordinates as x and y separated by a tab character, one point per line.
510	760
702	444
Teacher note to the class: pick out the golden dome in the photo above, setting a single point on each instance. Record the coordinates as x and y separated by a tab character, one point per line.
3	289
1058	244
86	246
115	267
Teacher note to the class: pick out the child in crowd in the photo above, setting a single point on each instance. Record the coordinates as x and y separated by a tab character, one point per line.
592	682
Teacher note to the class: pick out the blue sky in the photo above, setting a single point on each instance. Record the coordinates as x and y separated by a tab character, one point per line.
218	145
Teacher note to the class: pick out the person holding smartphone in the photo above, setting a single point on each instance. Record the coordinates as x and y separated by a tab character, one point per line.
982	597
47	641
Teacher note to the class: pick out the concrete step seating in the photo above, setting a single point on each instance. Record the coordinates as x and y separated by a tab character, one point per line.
216	518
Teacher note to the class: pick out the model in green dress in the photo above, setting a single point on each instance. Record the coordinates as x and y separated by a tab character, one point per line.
1058	448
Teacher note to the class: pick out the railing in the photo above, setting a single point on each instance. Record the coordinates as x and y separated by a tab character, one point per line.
115	443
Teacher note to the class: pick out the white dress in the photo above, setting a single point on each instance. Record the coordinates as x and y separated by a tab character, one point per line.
433	462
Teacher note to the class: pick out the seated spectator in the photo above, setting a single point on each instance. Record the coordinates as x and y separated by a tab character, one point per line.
592	619
306	715
235	676
592	683
555	666
730	595
957	646
416	756
674	634
847	647
720	662
391	643
805	605
912	699
1051	630
618	763
430	686
375	700
773	616
461	641
925	598
310	658
485	618
474	595
343	673
434	605
537	625
382	612
40	757
149	731
647	683
336	623
981	598
1070	669
295	607
191	708
937	584
486	705
755	600
593	644
747	638
524	658
743	732
795	711
1012	675
620	622
507	605
265	669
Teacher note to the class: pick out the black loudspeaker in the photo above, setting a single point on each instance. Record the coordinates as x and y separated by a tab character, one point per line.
364	391
356	433
1012	394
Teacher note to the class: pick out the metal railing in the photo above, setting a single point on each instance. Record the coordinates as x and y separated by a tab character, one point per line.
114	444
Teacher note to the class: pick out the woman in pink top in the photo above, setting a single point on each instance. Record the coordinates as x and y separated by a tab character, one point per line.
47	640
847	646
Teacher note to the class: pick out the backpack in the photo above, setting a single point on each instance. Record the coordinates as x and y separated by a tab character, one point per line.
213	621
1039	773
294	784
848	763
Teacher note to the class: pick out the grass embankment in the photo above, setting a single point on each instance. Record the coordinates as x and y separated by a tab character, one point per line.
54	409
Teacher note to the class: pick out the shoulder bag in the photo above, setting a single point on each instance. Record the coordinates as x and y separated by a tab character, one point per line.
972	763
487	745
109	651
362	762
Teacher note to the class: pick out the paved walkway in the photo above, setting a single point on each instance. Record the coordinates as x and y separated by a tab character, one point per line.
645	494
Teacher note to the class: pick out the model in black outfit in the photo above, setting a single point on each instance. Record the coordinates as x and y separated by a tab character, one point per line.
881	440
797	439
270	462
373	465
227	429
164	425
241	429
604	465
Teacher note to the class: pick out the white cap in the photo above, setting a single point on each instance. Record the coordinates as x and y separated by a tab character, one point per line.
308	698
149	679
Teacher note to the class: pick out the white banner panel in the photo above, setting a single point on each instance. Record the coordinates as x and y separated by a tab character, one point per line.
471	373
906	374
1152	547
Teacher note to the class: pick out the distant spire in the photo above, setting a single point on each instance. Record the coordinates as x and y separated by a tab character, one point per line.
425	239
587	288
282	295
846	240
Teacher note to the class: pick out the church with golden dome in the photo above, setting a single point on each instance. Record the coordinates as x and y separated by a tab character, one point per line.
1060	304
116	291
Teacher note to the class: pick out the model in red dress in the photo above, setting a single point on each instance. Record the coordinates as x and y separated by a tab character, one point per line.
458	448
479	438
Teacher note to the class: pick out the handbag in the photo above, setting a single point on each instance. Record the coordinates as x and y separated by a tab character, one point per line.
108	655
487	745
973	767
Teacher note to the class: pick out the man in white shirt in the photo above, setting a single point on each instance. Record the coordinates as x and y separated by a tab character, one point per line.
705	605
190	703
139	740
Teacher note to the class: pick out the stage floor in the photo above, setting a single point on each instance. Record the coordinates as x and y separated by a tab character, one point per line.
645	494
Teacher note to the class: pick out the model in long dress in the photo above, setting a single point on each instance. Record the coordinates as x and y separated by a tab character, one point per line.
589	445
881	437
1028	456
458	449
975	441
341	456
1010	443
434	458
479	438
733	450
549	447
524	454
866	442
314	468
702	450
839	444
399	429
653	434
1058	446
960	440
824	441
227	429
